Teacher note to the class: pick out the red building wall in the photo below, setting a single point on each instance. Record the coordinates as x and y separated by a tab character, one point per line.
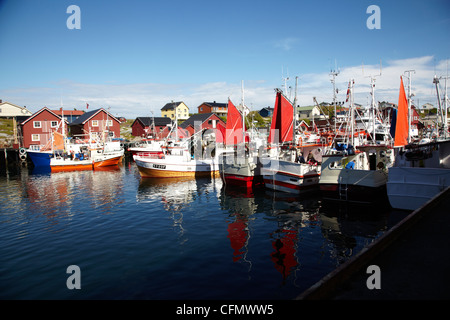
49	122
97	123
204	108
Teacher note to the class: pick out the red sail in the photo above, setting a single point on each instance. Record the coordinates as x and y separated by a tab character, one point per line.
401	128
233	130
282	127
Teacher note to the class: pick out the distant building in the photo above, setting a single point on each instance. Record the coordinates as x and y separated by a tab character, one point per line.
309	112
96	121
69	115
427	107
221	109
266	112
182	111
143	126
202	121
8	109
37	129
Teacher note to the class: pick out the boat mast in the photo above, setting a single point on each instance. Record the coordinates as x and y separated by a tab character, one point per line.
294	118
445	110
410	95
334	73
352	113
243	112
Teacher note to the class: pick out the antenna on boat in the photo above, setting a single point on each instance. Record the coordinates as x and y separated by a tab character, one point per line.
285	80
334	73
295	110
373	106
243	112
410	95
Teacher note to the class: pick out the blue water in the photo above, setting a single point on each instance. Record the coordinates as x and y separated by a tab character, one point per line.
134	238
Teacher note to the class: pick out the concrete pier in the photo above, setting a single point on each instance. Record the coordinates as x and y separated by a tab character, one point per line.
413	259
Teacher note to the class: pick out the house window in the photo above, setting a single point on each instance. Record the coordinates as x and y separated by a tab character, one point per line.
109	123
36	124
54	124
35	137
95	123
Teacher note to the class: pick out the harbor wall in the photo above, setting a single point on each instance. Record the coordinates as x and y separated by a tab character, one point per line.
328	286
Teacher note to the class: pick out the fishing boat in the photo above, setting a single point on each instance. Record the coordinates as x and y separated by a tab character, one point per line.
176	162
284	168
182	157
421	169
147	147
240	166
109	154
356	173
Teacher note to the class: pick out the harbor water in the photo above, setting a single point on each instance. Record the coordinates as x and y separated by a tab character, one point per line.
170	239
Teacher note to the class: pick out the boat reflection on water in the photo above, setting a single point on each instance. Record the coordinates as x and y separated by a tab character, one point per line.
176	194
241	204
62	195
295	216
350	226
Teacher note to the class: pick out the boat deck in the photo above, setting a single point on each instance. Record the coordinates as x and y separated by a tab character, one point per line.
413	258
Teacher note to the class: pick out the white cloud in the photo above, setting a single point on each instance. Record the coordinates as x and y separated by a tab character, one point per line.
286	43
139	99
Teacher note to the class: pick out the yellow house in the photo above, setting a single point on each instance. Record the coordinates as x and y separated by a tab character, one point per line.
182	110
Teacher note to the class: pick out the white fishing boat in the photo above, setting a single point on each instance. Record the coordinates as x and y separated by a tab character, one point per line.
185	157
179	162
356	174
147	147
421	170
109	154
285	168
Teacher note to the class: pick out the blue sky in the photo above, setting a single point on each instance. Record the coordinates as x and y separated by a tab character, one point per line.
135	56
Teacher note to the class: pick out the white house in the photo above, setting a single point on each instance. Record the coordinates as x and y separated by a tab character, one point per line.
8	109
427	107
309	112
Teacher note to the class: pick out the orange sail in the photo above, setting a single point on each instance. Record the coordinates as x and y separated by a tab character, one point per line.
282	127
402	128
58	141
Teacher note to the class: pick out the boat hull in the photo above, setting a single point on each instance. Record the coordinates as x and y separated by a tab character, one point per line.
353	193
108	162
40	159
292	177
71	165
152	168
410	188
242	175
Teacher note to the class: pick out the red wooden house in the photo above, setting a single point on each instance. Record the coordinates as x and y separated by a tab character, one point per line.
201	121
37	129
144	126
221	109
96	121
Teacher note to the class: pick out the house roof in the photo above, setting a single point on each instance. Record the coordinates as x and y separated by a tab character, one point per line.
88	115
39	112
147	121
198	117
216	104
68	112
172	105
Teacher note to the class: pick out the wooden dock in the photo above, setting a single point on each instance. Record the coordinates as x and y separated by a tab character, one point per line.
413	260
11	160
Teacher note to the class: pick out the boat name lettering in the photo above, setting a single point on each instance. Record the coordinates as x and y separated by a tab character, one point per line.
159	166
